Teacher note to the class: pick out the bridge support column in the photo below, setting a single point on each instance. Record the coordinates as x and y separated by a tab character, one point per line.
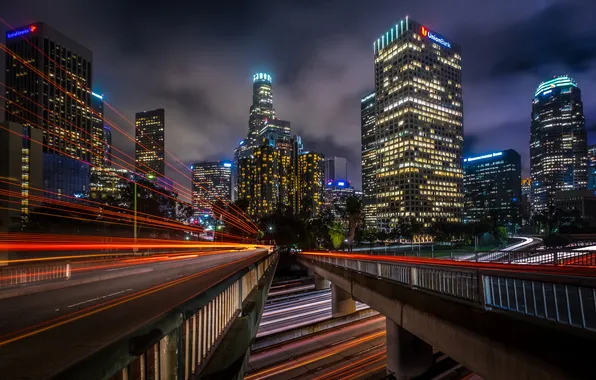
407	355
342	302
321	282
168	356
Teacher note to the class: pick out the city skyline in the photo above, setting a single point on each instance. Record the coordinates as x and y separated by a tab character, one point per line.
194	107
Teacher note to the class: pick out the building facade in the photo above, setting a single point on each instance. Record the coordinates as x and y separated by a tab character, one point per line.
109	184
492	188
369	158
592	167
336	169
150	142
419	126
335	194
21	163
526	187
576	203
107	146
558	142
311	174
36	79
212	182
97	131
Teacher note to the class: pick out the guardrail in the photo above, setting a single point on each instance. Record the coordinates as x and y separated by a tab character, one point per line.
576	258
568	300
180	343
20	274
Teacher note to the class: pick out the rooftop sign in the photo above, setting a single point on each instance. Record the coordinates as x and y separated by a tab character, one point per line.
21	32
490	155
435	37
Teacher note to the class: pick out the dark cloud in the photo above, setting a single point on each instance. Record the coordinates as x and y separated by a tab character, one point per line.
196	60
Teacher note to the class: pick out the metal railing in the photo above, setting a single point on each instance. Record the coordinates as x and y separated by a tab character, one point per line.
179	344
20	274
564	299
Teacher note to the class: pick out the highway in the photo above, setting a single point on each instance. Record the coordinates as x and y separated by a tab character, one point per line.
298	310
53	329
353	351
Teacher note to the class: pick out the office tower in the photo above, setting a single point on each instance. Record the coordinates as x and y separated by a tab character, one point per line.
262	107
335	195
558	147
419	126
32	99
297	149
107	146
21	161
526	186
245	174
311	175
109	184
573	204
211	183
150	138
265	180
592	167
274	130
336	169
369	158
492	188
97	131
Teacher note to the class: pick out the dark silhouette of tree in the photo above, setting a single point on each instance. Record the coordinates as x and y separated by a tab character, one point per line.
353	214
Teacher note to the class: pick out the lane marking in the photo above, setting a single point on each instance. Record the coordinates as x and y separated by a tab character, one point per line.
98	298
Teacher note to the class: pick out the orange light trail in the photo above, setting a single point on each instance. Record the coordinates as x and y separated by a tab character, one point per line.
91	310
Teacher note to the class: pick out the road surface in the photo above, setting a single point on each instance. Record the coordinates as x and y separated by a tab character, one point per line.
43	333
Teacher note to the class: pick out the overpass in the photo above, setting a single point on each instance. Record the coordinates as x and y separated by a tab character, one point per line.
501	320
184	317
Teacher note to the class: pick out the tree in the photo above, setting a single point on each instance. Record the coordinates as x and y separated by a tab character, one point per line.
353	214
336	232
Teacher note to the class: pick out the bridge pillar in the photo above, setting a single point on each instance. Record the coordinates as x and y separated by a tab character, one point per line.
407	355
342	302
321	282
168	356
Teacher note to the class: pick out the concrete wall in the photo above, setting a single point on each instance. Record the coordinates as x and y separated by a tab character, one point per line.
492	344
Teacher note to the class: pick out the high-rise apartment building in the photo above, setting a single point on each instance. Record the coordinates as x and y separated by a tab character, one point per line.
48	81
592	167
150	140
97	134
31	98
419	126
492	188
336	169
311	173
212	182
558	142
369	158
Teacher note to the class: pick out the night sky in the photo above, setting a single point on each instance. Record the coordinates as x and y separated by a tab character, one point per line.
197	61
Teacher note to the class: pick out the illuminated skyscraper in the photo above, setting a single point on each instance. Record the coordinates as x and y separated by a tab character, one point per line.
33	101
526	186
97	132
369	158
492	188
149	147
211	183
311	171
558	147
592	167
419	126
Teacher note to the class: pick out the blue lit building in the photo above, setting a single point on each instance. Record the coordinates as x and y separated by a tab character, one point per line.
492	188
558	142
592	167
65	177
335	194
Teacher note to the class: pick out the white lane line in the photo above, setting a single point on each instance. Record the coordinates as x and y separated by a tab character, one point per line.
99	298
126	267
180	275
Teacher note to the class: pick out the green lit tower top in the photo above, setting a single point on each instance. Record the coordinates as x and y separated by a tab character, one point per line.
558	141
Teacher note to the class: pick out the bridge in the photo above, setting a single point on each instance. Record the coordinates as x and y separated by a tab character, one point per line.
184	314
507	315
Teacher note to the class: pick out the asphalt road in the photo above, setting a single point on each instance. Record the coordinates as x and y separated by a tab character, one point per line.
299	310
43	333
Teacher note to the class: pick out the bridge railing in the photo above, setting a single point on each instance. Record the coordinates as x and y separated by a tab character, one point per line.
180	343
564	299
